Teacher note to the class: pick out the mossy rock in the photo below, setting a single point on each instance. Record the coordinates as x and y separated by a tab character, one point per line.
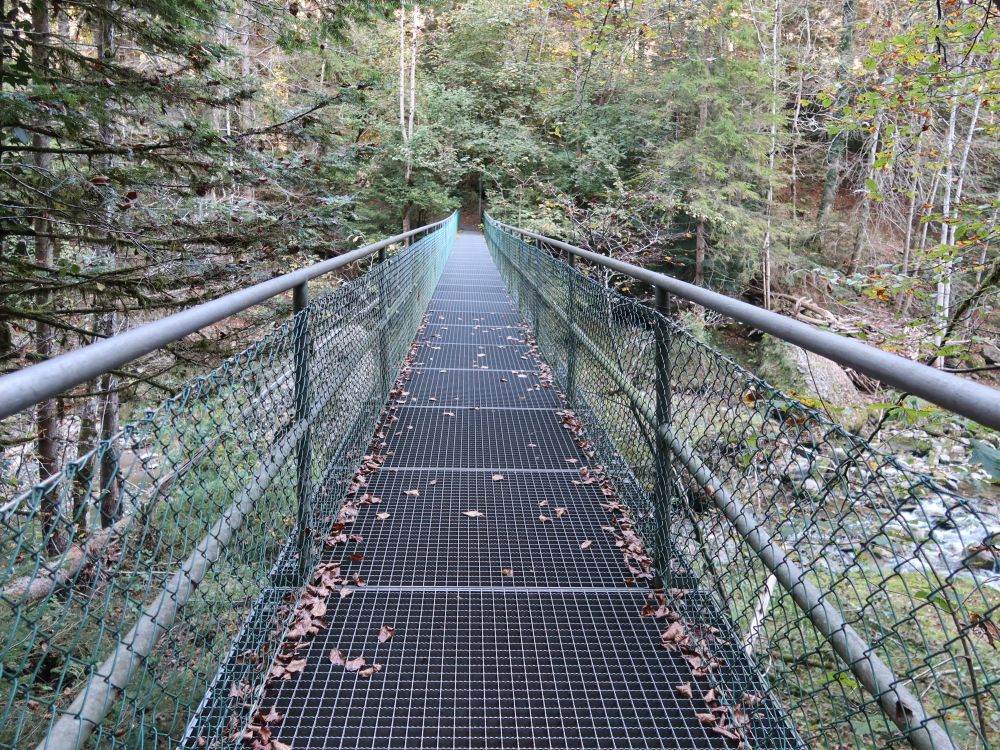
806	375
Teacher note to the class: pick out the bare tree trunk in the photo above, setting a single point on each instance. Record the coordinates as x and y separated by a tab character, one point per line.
700	243
406	119
865	209
83	478
942	301
911	214
838	145
772	155
46	422
109	383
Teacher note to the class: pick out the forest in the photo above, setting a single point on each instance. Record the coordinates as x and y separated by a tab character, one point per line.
834	161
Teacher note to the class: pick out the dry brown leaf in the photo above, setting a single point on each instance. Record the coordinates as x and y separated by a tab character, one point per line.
449	413
278	745
382	516
509	572
472	513
585	544
295	666
560	512
345	592
684	689
385	633
707	719
353	665
544	519
337	658
543	503
497	477
412	493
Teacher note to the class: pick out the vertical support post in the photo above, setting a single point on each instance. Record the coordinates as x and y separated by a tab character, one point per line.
383	333
536	304
302	353
663	489
570	338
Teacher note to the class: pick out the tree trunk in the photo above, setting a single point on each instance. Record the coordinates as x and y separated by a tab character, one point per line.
108	501
772	154
942	301
83	478
838	145
865	209
407	118
700	243
46	423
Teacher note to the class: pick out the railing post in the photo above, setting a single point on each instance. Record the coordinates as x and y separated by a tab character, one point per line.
663	489
383	332
536	304
570	338
302	353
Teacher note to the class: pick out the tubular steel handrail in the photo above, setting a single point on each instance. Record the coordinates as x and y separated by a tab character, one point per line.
565	338
26	387
978	402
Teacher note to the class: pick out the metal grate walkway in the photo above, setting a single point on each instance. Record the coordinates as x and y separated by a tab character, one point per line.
508	634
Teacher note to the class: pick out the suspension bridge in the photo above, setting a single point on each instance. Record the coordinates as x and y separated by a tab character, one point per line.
473	498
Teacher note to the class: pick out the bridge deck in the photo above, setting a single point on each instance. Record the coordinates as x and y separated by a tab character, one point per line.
508	634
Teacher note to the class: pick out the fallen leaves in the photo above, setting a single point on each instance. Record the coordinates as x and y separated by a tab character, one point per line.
684	690
509	572
353	665
382	516
498	477
412	493
586	544
560	512
472	513
544	519
385	633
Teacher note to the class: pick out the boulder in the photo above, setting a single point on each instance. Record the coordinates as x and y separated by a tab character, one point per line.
991	353
808	375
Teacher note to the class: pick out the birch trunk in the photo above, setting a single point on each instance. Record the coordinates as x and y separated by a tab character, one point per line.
942	301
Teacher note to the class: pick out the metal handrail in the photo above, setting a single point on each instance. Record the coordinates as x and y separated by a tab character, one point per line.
30	385
978	402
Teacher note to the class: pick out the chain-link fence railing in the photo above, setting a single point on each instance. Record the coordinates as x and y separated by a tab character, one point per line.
821	564
225	493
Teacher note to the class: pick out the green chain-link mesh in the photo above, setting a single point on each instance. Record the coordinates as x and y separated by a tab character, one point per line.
856	521
217	523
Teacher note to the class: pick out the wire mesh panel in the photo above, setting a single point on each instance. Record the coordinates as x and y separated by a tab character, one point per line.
733	475
224	498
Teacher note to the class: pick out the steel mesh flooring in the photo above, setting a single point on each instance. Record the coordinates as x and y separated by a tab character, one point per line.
479	387
492	670
551	653
494	357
